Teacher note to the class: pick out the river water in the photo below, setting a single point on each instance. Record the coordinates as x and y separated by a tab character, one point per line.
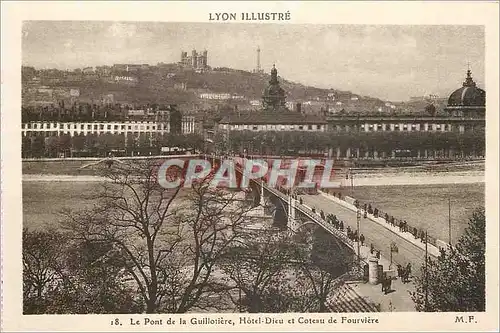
420	197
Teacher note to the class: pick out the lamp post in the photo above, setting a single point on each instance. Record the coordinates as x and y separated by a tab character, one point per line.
358	218
352	181
426	298
449	221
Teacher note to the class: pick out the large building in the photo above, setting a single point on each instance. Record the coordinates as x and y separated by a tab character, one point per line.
465	113
54	128
195	60
467	101
274	116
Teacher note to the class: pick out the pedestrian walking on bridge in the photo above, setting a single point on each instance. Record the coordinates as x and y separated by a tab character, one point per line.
362	239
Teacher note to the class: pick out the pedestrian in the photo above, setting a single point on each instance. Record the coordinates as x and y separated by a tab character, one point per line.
378	254
362	239
371	248
341	225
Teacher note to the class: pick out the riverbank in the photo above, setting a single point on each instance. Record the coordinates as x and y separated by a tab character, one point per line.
401	178
78	166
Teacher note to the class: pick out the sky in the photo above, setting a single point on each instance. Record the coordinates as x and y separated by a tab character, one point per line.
390	62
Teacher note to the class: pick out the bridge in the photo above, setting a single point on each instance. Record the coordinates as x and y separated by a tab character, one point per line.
376	230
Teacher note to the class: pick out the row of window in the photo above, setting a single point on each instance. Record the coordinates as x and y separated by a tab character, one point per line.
273	127
400	128
60	133
93	126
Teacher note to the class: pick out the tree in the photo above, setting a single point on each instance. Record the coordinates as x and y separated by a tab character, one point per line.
169	244
279	272
455	281
257	268
61	275
42	257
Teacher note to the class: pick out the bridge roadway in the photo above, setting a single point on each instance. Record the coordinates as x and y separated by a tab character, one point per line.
375	233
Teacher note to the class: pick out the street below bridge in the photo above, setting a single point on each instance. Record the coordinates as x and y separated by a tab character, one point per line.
374	233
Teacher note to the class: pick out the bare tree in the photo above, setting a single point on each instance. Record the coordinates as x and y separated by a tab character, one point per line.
276	272
168	240
257	267
42	257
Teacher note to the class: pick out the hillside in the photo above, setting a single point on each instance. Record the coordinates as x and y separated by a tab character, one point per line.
172	84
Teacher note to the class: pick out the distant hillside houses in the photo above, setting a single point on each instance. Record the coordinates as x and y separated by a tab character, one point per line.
126	79
220	96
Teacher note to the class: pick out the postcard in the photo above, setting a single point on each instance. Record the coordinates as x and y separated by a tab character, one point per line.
253	166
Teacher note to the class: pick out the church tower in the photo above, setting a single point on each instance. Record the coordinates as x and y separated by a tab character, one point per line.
273	97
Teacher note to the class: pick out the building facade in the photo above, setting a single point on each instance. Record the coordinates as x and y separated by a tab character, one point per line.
195	60
266	122
344	124
43	128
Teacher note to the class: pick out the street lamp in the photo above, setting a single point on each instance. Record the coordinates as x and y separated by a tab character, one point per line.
352	181
358	218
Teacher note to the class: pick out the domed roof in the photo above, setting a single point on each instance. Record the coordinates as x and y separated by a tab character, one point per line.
468	94
273	95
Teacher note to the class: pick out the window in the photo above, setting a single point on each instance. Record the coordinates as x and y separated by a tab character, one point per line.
89	127
129	127
101	126
123	127
74	126
109	127
35	126
116	127
310	127
147	128
95	127
254	128
301	127
318	127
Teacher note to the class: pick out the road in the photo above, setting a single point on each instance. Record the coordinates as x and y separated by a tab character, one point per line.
374	233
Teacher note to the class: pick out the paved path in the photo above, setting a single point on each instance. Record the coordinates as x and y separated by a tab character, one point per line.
377	234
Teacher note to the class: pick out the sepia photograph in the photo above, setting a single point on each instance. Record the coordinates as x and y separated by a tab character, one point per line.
329	171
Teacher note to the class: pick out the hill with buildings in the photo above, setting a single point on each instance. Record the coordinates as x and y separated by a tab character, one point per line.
190	88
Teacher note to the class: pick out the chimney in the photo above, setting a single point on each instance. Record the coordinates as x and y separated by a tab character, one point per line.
298	107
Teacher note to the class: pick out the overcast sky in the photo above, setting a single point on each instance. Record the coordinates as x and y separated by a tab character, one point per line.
388	62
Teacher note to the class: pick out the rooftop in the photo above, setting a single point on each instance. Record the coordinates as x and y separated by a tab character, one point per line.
274	118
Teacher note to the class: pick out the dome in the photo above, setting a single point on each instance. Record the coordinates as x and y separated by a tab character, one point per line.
273	95
468	94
